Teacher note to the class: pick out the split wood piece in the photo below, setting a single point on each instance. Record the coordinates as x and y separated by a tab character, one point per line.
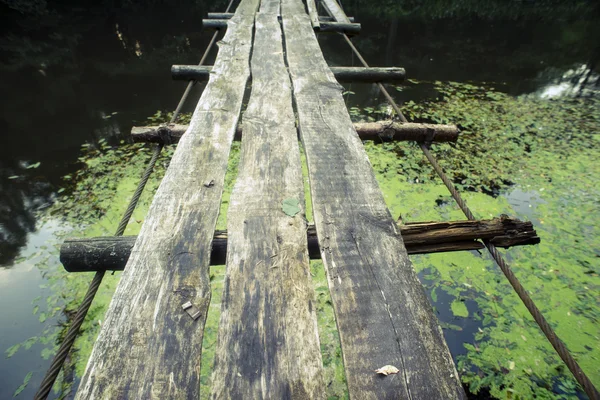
336	11
111	253
381	131
382	312
202	73
148	346
320	18
268	340
345	27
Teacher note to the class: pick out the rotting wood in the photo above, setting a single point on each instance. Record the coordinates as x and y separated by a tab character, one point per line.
112	252
268	341
148	346
214	23
382	312
381	131
342	74
336	11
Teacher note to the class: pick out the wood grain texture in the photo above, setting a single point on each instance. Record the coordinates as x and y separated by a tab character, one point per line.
268	343
149	347
382	312
336	11
313	14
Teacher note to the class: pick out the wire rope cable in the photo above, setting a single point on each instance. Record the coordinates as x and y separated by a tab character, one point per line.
555	341
73	331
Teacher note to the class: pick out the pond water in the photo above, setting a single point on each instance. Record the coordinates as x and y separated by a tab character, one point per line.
72	75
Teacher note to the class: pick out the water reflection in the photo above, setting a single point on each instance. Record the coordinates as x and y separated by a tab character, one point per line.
576	82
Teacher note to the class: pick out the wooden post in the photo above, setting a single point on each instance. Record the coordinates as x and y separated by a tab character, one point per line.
111	253
381	131
342	74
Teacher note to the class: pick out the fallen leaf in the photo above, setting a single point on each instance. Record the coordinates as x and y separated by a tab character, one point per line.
387	370
290	207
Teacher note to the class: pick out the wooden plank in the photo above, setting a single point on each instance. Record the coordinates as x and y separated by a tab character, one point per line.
380	131
382	312
268	343
313	14
112	252
149	347
336	11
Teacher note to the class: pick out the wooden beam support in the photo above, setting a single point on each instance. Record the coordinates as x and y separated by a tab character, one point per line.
321	18
111	253
348	28
201	73
381	131
339	27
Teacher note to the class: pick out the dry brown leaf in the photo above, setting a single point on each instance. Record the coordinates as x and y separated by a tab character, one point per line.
387	370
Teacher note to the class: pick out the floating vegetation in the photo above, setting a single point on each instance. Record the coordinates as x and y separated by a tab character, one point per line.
510	149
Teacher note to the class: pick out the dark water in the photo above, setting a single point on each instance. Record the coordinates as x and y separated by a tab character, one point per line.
73	73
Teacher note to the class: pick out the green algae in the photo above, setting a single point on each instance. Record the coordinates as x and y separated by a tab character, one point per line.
509	147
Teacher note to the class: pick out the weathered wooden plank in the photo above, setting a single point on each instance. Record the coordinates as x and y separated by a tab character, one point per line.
313	14
380	131
268	344
336	11
149	347
112	252
382	312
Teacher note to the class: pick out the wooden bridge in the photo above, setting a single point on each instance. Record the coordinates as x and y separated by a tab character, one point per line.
150	345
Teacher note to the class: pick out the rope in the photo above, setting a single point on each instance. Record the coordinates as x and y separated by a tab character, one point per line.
67	343
552	337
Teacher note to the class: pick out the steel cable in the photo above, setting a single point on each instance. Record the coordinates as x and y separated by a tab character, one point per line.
66	345
537	315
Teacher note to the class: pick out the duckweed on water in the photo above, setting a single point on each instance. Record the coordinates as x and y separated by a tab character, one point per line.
509	146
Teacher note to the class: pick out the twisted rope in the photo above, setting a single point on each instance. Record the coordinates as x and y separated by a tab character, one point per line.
537	315
72	333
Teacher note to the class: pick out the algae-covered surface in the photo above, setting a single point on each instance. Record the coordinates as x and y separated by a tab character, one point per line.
525	157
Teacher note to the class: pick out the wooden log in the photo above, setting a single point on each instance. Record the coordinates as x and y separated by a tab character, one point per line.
381	131
320	18
342	74
268	340
214	23
339	27
336	11
382	312
149	346
348	28
219	15
111	253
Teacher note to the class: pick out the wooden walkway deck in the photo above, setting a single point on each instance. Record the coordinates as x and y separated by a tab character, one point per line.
268	345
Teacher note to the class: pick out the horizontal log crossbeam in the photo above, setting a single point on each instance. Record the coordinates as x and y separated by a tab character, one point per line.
326	25
322	18
380	131
112	253
201	73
